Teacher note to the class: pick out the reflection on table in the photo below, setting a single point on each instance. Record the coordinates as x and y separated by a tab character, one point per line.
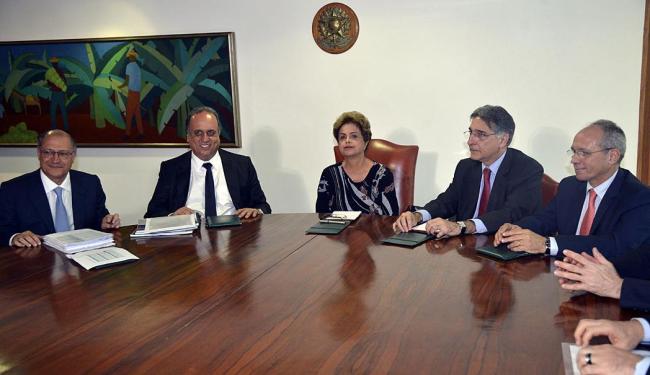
266	297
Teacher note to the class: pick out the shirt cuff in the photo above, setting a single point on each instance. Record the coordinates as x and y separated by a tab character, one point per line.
425	215
12	238
553	246
642	366
480	227
646	329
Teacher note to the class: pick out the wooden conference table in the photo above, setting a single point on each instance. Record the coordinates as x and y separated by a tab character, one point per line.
267	298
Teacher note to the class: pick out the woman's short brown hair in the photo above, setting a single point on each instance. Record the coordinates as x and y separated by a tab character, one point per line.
356	118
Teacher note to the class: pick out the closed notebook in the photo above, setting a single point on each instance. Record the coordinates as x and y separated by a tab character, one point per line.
327	228
409	239
222	221
501	252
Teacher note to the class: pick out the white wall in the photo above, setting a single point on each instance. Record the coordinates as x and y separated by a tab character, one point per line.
417	71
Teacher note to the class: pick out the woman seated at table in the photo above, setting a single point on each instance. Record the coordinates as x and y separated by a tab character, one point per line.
358	183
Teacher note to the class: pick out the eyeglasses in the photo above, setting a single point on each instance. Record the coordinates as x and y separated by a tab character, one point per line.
480	135
63	155
209	133
582	154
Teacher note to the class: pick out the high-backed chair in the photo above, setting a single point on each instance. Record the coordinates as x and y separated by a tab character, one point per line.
400	160
549	189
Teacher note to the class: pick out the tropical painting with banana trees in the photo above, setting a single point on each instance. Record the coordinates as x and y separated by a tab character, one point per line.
134	91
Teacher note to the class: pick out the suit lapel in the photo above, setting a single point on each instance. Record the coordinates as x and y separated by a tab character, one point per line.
473	187
497	194
229	171
609	200
183	175
40	202
78	199
574	208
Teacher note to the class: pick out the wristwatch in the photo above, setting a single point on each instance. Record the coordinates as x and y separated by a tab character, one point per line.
547	243
463	227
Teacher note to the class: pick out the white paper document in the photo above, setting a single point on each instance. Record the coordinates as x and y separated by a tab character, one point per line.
170	223
78	240
345	215
422	228
102	257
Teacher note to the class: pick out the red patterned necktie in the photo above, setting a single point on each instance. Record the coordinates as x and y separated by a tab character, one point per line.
585	227
485	194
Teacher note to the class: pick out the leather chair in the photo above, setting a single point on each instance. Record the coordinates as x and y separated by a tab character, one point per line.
400	160
549	189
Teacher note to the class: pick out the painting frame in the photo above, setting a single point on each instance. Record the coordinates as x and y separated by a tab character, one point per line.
177	72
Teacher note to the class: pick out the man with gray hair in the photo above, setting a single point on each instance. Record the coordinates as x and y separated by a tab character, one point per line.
53	198
602	206
495	185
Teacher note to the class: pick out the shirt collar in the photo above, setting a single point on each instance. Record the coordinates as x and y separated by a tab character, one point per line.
50	185
197	164
602	188
494	167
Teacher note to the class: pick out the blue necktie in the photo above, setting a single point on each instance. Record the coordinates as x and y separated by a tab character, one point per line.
61	223
210	198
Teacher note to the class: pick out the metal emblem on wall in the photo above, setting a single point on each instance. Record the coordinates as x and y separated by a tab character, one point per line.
335	28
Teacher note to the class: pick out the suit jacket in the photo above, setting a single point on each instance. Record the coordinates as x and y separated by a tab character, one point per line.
174	183
24	205
622	221
634	268
516	191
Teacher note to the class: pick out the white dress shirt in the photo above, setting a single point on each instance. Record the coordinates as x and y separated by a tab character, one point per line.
600	194
195	198
643	365
49	186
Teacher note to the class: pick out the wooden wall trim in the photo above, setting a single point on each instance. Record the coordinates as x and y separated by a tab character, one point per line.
643	155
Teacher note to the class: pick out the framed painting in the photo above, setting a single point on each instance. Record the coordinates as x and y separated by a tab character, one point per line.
118	92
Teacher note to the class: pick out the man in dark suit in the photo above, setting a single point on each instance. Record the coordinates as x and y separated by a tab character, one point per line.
602	206
53	198
614	358
495	185
207	179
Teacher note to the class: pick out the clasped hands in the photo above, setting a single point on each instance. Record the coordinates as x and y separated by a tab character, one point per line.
519	239
437	227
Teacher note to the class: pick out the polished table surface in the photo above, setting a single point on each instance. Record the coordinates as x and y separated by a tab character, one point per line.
267	298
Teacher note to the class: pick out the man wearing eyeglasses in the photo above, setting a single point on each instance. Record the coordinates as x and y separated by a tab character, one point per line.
602	206
495	185
53	198
207	179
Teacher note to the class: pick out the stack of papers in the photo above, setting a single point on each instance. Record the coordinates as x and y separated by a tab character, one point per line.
166	226
78	240
88	247
341	217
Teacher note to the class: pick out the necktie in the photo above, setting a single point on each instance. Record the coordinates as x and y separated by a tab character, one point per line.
210	198
585	227
485	194
61	223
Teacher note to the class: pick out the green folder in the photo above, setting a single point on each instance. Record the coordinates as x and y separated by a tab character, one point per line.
327	228
502	252
408	239
222	221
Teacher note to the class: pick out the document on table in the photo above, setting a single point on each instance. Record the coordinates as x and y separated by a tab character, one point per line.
102	257
170	223
78	240
345	215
